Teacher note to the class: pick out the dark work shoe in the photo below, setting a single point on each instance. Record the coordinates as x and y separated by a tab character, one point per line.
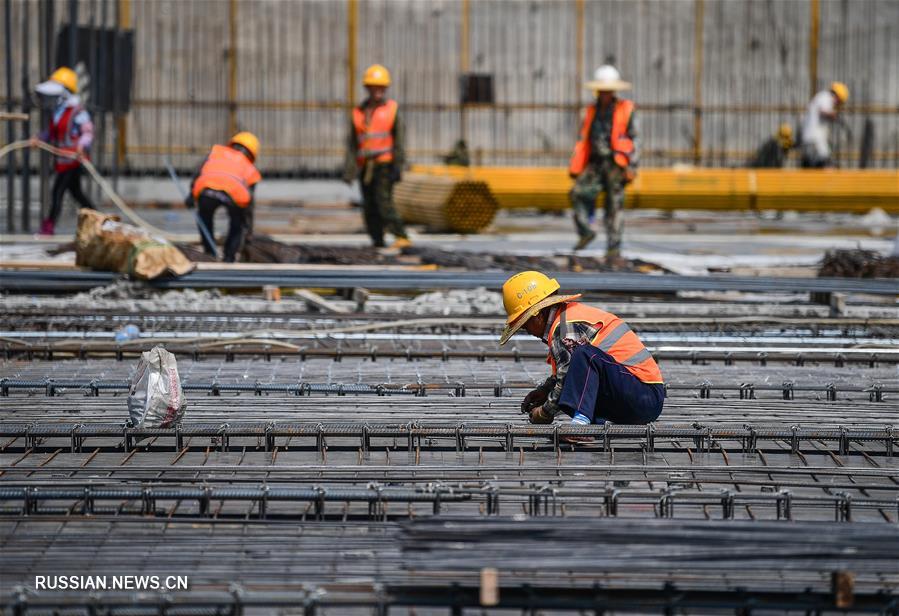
585	241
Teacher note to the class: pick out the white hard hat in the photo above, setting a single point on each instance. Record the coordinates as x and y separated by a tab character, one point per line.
50	88
607	79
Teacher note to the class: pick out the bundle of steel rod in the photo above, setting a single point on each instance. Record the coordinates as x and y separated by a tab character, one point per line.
441	562
63	281
372	501
445	204
391	311
364	437
444	410
876	392
266	350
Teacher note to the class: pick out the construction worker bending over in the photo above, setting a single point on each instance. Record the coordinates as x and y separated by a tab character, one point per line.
823	110
71	130
773	153
604	160
227	178
375	155
600	369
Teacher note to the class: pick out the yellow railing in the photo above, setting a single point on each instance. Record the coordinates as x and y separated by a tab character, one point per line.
546	188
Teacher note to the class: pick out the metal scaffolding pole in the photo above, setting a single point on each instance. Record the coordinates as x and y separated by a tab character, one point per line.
10	129
26	124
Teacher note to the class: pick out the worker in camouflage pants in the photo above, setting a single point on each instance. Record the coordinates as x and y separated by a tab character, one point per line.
604	160
604	176
375	155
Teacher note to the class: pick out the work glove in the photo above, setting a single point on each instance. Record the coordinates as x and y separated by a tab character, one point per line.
396	174
535	398
540	416
189	202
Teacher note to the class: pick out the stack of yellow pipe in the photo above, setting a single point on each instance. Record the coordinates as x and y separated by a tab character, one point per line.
445	203
844	190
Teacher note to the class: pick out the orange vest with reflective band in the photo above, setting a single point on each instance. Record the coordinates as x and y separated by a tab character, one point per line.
375	139
622	146
229	171
614	338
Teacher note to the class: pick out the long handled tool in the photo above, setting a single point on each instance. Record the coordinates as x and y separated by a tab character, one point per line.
210	241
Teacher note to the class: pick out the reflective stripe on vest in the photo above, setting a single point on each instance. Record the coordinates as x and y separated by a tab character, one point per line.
621	145
61	137
228	171
375	139
615	337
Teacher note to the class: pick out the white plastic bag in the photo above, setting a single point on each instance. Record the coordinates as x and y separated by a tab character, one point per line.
155	399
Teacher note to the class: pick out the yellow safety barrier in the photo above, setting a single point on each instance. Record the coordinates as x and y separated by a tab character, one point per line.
838	190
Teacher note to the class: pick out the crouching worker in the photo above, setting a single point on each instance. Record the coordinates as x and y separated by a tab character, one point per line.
600	369
227	178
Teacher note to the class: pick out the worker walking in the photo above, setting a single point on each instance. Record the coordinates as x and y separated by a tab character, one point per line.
601	371
375	154
823	110
773	153
227	178
605	159
71	130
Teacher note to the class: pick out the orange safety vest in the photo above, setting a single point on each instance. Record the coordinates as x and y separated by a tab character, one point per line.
614	338
375	139
622	146
229	171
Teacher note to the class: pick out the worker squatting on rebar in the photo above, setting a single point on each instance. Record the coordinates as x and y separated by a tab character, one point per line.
604	160
71	130
227	178
375	155
601	371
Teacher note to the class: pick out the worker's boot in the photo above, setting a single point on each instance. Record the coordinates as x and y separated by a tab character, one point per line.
585	240
401	242
47	227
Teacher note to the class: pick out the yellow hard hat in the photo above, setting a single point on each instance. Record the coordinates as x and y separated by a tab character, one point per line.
247	140
67	78
839	88
785	136
376	75
524	295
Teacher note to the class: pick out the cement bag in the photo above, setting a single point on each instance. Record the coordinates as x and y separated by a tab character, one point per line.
103	242
155	399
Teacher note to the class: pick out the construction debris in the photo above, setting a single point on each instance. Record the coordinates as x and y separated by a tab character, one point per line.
104	243
858	264
264	249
